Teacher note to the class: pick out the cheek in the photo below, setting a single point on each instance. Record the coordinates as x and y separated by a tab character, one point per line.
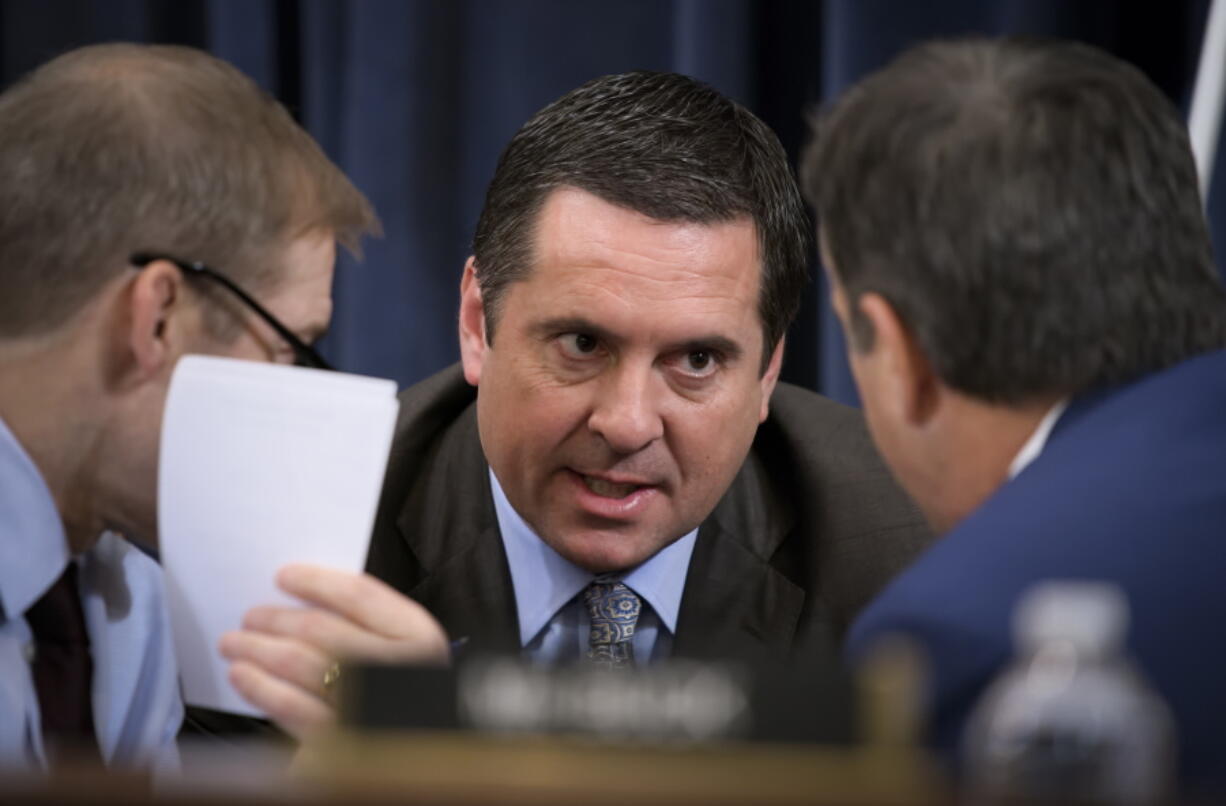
894	450
249	349
875	416
522	422
548	419
711	442
248	345
872	398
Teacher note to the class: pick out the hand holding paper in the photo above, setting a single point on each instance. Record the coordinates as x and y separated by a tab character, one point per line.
262	466
282	654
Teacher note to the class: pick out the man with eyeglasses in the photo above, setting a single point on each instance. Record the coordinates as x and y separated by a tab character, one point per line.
150	196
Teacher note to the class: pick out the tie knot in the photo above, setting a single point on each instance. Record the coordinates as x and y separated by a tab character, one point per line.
614	611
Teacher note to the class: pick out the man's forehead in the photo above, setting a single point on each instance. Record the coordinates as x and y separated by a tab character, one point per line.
577	208
577	231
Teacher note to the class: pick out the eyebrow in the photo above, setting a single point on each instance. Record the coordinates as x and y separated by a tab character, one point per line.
729	349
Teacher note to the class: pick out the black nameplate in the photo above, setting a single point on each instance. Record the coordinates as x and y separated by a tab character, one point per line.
682	700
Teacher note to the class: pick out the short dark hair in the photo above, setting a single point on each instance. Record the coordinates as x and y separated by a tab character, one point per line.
113	149
661	144
1030	208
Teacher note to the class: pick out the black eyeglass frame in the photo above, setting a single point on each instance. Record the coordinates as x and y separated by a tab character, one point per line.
304	354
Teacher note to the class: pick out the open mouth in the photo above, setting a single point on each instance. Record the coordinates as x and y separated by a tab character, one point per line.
609	489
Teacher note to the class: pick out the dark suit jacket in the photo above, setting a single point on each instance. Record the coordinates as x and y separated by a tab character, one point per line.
1130	488
811	528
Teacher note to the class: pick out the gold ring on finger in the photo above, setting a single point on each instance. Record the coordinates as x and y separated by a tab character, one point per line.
331	676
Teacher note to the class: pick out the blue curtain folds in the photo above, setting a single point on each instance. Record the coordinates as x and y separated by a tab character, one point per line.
415	99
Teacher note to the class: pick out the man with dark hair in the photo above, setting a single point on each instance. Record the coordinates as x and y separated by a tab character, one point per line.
606	491
1019	257
138	186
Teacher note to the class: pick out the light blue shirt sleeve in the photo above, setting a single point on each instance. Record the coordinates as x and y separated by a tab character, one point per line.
136	701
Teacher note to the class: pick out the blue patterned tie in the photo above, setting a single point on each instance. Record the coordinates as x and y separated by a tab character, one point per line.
614	610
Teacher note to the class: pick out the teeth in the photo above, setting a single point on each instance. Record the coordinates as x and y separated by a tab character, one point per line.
608	489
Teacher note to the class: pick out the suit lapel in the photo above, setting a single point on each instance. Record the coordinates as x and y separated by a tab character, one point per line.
471	594
450	526
736	603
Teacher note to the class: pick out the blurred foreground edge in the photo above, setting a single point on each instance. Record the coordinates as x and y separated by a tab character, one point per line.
497	729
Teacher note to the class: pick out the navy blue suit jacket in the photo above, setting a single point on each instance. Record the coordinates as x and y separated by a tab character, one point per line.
1130	488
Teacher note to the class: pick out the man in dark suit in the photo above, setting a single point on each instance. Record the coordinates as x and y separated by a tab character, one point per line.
593	481
1019	257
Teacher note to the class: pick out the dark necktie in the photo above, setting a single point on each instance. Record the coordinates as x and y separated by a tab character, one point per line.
614	611
63	670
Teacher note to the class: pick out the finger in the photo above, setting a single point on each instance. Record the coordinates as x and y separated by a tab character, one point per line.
298	713
361	598
327	632
291	660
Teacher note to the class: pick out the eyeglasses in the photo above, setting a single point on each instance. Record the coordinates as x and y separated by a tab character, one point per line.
304	354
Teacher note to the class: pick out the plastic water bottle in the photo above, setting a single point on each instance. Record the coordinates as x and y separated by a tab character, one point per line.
1071	719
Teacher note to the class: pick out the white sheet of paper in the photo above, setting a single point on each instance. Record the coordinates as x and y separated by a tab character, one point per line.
261	465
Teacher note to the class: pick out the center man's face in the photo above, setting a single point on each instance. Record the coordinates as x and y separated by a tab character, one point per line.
623	386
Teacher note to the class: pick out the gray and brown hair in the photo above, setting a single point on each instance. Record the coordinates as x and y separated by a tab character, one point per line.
118	148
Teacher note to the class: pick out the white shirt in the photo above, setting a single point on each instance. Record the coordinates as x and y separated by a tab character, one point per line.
1038	440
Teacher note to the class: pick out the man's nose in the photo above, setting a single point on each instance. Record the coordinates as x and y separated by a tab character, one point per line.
627	411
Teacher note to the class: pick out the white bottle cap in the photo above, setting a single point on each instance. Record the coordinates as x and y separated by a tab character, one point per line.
1092	616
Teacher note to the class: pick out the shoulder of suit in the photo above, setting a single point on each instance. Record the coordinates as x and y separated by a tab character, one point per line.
789	399
818	426
428	410
430	404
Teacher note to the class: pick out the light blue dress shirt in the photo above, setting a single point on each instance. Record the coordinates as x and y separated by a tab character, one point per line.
553	620
136	701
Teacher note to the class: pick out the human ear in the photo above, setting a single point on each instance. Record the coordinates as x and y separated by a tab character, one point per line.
154	301
771	377
905	381
473	344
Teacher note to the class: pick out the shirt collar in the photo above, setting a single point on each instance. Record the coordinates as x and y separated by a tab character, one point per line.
33	546
544	581
1038	440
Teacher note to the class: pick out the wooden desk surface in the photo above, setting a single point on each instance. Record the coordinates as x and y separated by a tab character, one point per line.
551	770
458	769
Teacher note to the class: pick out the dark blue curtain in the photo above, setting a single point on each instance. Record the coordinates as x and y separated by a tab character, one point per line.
415	99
